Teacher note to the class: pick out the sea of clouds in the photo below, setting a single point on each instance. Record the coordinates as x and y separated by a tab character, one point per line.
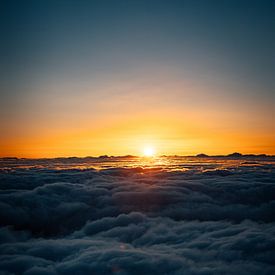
138	221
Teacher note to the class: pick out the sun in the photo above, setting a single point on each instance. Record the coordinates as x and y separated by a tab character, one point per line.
149	151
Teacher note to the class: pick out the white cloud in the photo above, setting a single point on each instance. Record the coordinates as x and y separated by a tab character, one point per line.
134	221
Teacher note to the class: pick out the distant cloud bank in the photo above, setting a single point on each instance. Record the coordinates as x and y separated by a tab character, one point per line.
201	220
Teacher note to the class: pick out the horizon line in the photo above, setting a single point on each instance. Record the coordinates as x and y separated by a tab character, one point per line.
200	155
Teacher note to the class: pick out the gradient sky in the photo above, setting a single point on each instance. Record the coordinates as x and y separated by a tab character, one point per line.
111	77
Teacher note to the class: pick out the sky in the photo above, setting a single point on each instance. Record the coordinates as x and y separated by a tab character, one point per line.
81	78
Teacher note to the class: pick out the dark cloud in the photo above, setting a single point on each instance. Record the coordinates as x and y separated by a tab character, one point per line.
202	219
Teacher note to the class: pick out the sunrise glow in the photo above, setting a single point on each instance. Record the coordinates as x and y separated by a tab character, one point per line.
149	151
137	137
110	86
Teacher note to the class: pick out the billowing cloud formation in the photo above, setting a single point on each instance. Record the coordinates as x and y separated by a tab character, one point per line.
202	219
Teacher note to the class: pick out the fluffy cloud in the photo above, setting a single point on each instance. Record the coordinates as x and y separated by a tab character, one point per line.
202	219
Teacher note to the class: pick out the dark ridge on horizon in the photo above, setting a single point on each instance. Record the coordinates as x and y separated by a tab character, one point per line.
234	155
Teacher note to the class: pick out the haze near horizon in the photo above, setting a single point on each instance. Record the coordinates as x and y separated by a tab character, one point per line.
85	78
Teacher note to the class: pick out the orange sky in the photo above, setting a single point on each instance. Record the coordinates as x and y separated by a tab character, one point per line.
125	123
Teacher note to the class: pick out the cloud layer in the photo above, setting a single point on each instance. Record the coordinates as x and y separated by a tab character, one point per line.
203	219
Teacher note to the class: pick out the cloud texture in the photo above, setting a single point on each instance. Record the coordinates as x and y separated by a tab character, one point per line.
203	219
